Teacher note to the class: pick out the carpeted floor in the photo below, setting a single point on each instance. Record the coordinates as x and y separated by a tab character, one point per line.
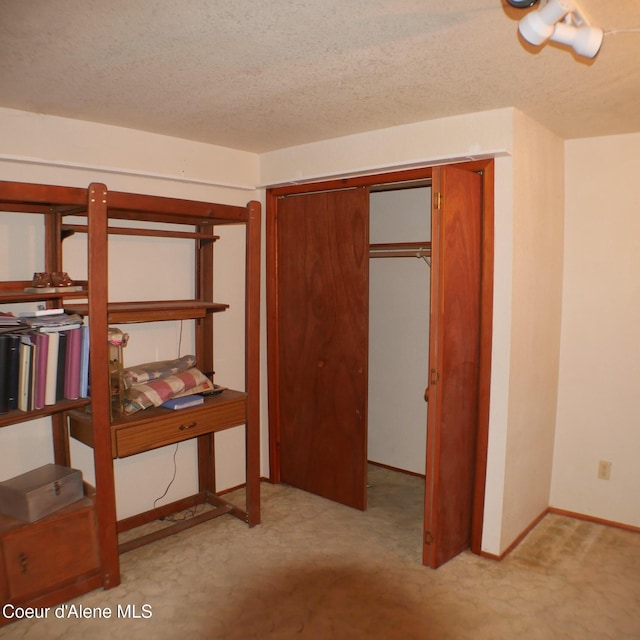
317	570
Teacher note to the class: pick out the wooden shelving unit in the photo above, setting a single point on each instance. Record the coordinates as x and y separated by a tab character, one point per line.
150	428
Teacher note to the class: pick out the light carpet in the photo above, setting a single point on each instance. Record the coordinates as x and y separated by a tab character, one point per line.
317	570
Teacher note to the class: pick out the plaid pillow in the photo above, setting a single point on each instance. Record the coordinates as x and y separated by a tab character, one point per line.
155	392
142	373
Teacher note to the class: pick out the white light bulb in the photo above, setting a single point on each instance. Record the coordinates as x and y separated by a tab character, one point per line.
537	26
586	41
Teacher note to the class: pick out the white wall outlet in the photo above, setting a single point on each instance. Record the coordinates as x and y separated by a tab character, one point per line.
604	470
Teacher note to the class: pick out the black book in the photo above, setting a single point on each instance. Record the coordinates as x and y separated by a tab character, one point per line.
13	370
62	358
4	373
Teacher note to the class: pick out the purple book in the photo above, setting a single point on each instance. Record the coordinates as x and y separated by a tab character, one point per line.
72	364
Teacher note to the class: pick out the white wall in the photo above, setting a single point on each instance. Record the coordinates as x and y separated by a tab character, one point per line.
535	324
500	356
51	150
456	139
599	383
399	290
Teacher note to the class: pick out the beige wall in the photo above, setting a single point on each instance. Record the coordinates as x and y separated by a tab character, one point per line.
45	149
535	324
600	357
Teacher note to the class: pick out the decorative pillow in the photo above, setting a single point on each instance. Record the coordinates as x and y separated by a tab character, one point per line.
142	373
205	386
155	392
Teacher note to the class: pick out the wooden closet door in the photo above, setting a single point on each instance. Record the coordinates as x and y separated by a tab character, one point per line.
454	358
322	245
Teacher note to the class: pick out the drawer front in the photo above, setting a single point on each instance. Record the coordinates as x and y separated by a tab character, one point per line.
179	426
50	552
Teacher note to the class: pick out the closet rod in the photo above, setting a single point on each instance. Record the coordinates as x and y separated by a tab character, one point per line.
400	250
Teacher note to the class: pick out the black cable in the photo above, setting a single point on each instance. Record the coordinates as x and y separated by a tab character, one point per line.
175	471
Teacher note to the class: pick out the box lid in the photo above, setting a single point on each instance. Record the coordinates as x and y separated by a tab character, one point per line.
36	478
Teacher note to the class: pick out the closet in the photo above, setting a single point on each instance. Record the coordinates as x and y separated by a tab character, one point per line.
318	255
399	287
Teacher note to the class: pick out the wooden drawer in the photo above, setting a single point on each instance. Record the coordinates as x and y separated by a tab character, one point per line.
49	552
177	426
158	427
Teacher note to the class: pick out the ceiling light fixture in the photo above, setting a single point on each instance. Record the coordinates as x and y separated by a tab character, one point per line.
560	21
522	4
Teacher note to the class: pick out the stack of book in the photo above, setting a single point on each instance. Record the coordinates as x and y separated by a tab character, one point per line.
9	323
44	358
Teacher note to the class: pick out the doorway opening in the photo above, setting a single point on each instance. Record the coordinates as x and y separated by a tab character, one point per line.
399	297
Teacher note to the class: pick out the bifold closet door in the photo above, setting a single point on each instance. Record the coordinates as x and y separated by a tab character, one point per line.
454	361
322	245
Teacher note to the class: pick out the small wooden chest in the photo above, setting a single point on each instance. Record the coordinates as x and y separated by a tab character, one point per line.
40	492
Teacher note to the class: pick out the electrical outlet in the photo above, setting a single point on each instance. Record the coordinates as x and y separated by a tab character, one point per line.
604	470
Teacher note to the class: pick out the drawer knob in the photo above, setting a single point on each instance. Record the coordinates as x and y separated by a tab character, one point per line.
184	427
23	562
56	488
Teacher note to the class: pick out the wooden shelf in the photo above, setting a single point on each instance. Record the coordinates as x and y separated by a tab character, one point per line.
24	197
16	416
14	292
129	312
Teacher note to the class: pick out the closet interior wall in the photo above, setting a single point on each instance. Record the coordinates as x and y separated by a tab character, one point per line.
399	291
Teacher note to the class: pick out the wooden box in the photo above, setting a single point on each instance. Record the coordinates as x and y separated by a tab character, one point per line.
40	492
51	560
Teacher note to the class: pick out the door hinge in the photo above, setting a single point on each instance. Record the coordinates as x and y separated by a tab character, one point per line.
435	376
428	537
437	200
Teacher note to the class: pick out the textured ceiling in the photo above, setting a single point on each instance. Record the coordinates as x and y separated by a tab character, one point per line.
262	75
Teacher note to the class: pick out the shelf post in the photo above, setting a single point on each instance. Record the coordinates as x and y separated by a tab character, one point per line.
204	350
252	361
99	376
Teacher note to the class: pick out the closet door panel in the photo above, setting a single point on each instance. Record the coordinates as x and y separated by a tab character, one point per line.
322	244
454	363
